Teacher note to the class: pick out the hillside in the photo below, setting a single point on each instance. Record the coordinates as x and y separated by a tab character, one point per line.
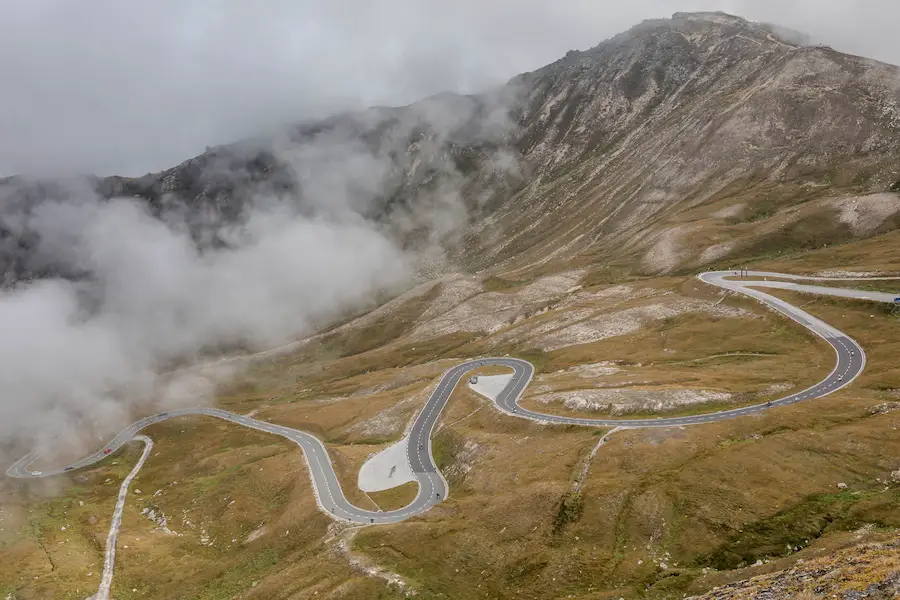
223	511
684	142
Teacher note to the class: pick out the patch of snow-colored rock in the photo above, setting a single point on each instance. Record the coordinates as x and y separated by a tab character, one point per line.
630	320
490	386
865	213
846	274
619	401
387	469
489	312
387	422
668	250
715	252
732	210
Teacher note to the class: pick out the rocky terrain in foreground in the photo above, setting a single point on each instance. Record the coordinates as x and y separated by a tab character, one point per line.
870	571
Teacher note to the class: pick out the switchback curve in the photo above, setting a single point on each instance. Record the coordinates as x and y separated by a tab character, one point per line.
433	488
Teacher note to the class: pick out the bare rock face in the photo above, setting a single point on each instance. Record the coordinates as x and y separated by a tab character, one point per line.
604	154
679	113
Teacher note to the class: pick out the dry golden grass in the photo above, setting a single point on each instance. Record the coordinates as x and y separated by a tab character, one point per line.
888	286
656	508
874	325
655	500
52	545
725	354
649	492
845	568
214	482
397	497
879	254
347	461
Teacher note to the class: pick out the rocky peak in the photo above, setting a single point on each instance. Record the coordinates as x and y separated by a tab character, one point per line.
652	122
625	79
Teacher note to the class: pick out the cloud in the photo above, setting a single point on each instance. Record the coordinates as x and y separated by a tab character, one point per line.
72	350
127	88
126	288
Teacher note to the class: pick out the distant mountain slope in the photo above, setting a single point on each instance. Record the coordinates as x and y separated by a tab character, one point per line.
678	143
629	138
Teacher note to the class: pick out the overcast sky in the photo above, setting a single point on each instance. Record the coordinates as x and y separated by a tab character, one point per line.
127	87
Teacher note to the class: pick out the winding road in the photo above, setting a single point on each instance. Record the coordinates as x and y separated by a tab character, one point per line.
433	488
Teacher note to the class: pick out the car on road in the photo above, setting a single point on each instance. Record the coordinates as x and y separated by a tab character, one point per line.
68	468
36	473
897	299
107	450
840	377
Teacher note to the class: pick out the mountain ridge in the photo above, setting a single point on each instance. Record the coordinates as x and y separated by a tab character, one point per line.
590	156
709	78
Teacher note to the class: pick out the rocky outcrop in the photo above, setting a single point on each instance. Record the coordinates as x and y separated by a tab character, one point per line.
628	139
865	571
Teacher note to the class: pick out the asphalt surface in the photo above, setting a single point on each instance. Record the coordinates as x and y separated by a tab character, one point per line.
433	488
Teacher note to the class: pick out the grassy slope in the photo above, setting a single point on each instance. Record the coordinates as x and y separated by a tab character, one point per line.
657	508
216	484
660	506
880	253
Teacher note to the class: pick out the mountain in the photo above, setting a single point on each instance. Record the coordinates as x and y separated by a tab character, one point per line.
680	143
697	141
640	141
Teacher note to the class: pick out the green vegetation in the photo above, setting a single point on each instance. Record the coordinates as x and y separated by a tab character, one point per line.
761	209
498	284
445	446
796	527
817	230
570	509
890	287
537	357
